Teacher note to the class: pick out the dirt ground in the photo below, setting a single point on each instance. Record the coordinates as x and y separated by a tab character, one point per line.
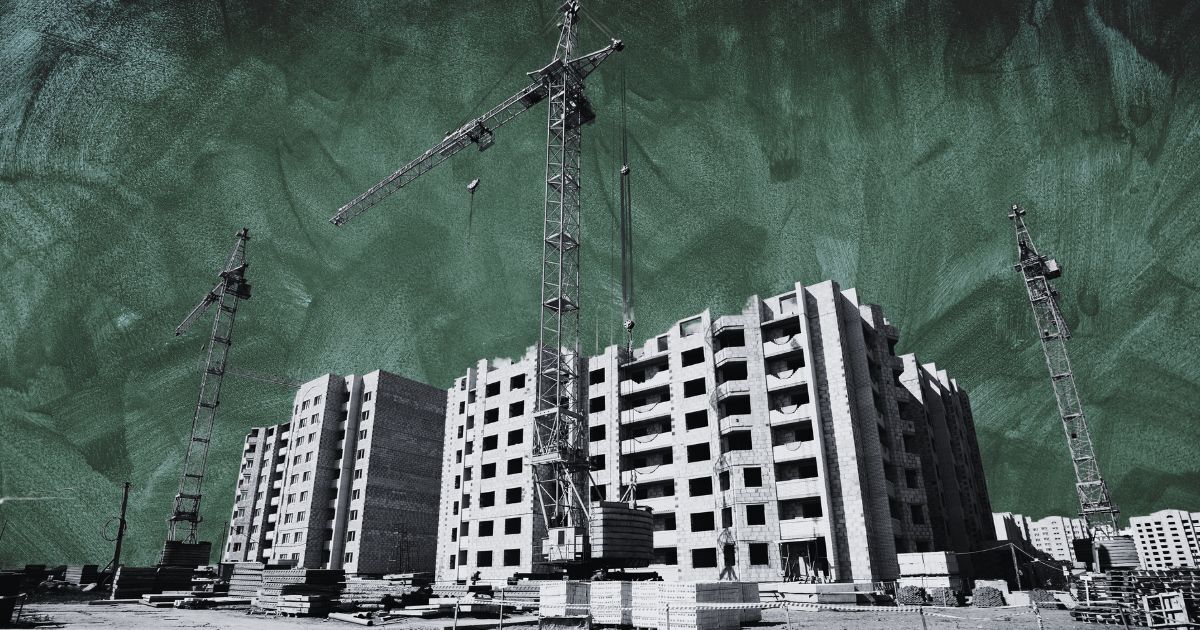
82	615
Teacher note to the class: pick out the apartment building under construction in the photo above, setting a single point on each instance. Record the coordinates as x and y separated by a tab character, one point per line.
788	439
348	482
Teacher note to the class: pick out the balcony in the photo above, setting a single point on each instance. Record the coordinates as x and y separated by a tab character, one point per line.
730	388
801	528
630	386
735	422
733	353
646	474
648	411
783	345
795	450
786	378
790	413
799	488
646	443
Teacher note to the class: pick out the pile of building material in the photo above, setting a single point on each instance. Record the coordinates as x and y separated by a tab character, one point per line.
1137	597
133	582
82	574
653	604
527	593
246	579
937	569
560	599
318	585
366	594
611	603
304	605
180	554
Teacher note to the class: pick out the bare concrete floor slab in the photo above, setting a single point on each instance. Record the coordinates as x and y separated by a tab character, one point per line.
82	615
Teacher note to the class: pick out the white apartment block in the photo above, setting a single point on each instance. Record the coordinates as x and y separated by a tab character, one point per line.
349	482
1167	538
1055	535
787	439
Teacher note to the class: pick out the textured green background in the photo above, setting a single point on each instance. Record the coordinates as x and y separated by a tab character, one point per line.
877	144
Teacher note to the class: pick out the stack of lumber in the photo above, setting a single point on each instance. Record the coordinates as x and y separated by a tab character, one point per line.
1182	580
276	583
133	582
304	605
246	579
82	574
559	599
611	603
619	532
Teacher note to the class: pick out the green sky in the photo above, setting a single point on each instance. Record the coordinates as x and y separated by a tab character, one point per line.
878	144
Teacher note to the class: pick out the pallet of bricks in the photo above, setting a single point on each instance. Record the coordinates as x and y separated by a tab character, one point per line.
299	592
567	598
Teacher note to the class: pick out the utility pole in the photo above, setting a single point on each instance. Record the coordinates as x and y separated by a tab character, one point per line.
116	559
1016	568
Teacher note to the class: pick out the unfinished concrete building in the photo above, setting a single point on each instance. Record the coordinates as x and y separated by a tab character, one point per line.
781	440
349	482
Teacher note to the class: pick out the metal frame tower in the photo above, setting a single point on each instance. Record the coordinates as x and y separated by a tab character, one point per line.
560	447
1095	503
231	289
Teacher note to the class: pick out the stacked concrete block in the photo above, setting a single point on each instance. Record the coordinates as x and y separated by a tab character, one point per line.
779	441
568	597
612	603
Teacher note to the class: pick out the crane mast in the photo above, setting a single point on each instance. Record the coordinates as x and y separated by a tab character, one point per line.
560	457
1095	503
231	289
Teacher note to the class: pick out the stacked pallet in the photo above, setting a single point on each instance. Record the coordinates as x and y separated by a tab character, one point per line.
246	579
648	611
173	579
304	605
276	583
684	605
82	574
611	603
560	599
133	582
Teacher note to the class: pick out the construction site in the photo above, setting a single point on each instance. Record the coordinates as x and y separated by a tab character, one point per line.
778	467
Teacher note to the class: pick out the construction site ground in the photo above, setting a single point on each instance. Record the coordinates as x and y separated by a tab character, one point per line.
83	615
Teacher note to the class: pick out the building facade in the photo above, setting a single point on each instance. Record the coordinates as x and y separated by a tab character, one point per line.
349	482
1167	538
789	438
1054	535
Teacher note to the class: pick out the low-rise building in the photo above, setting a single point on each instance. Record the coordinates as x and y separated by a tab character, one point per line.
349	482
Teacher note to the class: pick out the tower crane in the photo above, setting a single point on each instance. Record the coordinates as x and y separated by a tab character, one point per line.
560	456
1095	503
181	547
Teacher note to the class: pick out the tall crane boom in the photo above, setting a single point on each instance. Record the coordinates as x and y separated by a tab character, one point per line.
560	457
1095	503
231	289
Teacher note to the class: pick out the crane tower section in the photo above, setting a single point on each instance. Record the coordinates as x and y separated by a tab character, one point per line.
1095	503
185	516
